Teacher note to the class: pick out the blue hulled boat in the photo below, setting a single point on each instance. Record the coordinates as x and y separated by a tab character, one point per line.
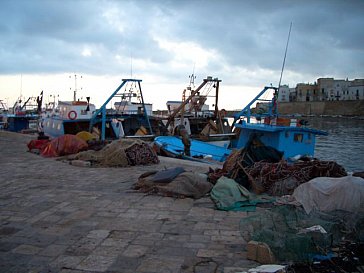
287	135
174	146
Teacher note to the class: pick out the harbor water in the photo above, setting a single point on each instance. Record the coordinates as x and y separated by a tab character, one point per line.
345	142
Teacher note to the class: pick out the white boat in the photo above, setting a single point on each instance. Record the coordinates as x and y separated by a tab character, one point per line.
71	117
127	119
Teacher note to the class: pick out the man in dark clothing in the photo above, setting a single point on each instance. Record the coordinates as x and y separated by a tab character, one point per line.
181	131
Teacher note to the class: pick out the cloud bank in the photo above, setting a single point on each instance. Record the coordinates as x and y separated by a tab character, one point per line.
241	42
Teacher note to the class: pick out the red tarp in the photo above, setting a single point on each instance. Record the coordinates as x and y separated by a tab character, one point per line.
37	144
64	145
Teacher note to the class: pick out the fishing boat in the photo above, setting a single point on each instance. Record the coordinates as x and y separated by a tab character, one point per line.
24	115
126	119
70	117
3	114
194	114
288	135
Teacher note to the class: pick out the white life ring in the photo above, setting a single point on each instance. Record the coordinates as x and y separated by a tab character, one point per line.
72	115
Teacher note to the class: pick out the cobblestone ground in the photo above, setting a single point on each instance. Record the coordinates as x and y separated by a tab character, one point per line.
55	217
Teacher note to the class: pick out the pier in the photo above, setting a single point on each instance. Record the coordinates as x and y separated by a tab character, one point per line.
56	217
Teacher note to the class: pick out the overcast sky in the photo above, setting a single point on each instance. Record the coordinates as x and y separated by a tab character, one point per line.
241	42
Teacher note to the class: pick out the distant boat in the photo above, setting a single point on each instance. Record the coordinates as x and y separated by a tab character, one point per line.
23	117
195	115
3	114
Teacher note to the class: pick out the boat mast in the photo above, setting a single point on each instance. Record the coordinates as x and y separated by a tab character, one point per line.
285	55
273	107
190	88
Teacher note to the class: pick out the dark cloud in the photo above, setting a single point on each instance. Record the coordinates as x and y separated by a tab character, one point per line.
50	36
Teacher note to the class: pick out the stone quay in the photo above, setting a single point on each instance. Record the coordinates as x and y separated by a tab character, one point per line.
55	217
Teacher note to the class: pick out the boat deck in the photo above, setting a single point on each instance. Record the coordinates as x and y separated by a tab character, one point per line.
277	128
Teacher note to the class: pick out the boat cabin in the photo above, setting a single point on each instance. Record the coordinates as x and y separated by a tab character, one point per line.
291	140
284	134
75	110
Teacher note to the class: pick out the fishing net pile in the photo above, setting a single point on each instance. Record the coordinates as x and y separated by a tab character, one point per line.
121	153
282	178
293	235
262	170
255	151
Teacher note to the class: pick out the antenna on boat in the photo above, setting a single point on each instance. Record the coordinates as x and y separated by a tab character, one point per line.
75	91
21	87
285	54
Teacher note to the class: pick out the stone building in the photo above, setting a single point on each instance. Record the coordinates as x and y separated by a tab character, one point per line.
283	94
307	92
356	90
325	89
330	89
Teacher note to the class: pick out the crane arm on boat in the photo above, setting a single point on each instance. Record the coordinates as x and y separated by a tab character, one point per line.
246	110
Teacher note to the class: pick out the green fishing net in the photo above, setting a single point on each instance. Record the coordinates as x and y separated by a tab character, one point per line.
292	235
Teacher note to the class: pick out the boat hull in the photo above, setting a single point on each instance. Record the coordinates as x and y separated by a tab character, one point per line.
199	149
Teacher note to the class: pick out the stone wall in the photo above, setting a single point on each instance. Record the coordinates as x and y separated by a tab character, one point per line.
345	108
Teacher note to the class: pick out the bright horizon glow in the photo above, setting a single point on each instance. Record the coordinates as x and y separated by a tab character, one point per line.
100	88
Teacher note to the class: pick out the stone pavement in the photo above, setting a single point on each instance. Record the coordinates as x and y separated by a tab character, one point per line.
55	217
